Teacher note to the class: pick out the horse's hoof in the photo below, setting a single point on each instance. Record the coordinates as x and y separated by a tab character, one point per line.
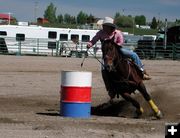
111	101
111	94
138	113
159	115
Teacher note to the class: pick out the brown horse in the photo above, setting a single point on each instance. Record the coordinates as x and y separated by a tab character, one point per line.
124	77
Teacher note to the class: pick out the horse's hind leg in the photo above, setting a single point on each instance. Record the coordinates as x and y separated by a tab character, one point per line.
148	98
139	109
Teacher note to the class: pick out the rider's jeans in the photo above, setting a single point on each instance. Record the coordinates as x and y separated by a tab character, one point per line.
132	55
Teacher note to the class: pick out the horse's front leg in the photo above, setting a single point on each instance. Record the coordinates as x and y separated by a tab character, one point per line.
139	109
108	84
154	107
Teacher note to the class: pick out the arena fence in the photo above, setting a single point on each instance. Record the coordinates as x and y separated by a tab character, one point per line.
50	47
158	52
47	47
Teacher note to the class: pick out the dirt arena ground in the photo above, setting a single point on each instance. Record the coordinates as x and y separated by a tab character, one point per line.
30	99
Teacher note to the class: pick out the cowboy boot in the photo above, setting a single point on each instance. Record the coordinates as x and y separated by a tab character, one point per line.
146	75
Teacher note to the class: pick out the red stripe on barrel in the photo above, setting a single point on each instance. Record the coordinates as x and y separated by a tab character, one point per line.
75	94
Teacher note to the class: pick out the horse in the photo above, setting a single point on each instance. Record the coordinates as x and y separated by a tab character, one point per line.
124	77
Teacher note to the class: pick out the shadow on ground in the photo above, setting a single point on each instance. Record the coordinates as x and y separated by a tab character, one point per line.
115	109
48	114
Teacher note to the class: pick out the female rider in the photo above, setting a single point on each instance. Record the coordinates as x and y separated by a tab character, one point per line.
109	31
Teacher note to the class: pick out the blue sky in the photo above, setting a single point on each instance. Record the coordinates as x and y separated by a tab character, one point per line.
24	10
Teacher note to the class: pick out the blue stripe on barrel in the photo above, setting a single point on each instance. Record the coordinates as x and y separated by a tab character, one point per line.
75	110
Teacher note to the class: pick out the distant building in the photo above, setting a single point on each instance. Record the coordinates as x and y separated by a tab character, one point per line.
23	23
145	27
42	20
4	18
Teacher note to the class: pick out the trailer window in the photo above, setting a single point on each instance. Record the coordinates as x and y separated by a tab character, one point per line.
63	37
52	35
20	37
3	33
85	38
75	38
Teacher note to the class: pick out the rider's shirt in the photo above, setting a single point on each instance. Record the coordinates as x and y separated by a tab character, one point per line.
102	35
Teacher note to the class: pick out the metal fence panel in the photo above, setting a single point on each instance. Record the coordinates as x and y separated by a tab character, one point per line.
51	47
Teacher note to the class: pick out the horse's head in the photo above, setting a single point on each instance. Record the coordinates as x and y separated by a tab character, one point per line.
110	54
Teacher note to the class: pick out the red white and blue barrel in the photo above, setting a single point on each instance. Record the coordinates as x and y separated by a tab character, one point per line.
75	94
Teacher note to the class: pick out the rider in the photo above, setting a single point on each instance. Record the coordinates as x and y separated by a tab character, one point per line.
109	31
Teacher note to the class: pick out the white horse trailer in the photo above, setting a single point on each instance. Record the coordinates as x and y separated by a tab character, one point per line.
47	40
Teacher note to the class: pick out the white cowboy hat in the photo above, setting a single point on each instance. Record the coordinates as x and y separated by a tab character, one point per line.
109	22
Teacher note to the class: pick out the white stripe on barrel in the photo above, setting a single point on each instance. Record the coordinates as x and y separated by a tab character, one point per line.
74	78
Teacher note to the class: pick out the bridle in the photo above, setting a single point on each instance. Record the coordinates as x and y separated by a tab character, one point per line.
114	56
110	54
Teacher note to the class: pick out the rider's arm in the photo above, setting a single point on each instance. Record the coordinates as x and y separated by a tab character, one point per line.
94	39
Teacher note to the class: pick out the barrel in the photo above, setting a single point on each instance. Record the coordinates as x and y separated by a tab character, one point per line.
75	91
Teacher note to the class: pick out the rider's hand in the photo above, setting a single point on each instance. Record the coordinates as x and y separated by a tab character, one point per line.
89	45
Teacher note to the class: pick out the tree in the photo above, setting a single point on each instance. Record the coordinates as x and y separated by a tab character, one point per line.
67	18
154	23
90	19
50	13
73	20
140	20
117	15
124	21
82	18
60	18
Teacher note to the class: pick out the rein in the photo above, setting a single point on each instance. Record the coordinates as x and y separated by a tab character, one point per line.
97	59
